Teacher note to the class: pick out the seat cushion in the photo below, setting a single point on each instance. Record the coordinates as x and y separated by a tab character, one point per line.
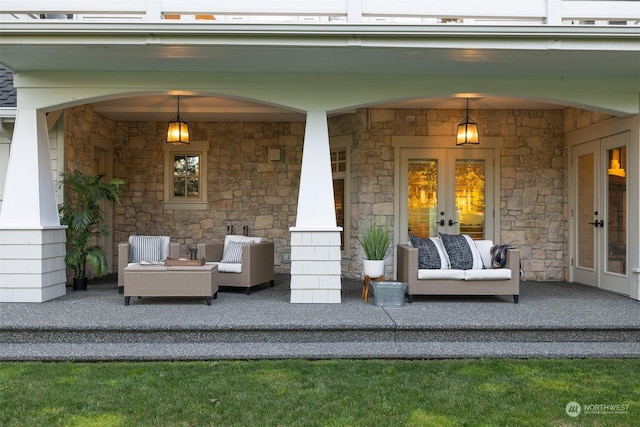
488	274
446	274
462	251
229	267
148	248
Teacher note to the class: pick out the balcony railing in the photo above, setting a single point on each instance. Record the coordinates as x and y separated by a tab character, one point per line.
397	12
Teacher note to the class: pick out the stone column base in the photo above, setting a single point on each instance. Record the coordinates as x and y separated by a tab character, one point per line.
315	266
32	267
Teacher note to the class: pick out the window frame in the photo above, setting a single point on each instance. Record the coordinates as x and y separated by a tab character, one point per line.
344	143
197	148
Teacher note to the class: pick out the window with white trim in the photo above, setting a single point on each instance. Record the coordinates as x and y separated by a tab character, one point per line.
185	177
340	167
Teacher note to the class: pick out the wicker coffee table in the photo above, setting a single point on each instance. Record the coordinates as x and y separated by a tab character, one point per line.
161	281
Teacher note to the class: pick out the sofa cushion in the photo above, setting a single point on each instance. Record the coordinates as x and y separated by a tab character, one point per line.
462	251
431	253
229	267
148	248
440	274
233	252
488	274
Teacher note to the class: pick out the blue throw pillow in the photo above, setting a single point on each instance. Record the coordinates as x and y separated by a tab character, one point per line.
429	257
462	251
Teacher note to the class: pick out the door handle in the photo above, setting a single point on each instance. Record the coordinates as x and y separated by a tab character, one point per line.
441	223
451	222
597	224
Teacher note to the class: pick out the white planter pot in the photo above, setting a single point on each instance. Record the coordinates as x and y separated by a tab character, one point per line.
374	268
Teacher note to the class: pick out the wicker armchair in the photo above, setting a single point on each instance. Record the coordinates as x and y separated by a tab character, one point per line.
124	256
256	266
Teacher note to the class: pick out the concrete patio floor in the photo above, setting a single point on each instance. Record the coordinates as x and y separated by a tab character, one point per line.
553	319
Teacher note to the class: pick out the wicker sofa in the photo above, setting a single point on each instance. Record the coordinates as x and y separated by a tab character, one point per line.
487	281
256	264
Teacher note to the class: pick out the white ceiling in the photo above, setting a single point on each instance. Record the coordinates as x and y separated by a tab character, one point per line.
465	51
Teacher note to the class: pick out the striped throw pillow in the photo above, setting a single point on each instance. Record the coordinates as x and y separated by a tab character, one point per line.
233	252
145	248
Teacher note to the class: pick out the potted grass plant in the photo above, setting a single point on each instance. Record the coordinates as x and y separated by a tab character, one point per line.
84	218
376	243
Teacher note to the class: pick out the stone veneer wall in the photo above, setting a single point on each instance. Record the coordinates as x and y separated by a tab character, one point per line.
533	183
575	119
244	188
80	123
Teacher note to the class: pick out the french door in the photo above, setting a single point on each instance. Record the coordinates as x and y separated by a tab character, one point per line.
447	190
600	213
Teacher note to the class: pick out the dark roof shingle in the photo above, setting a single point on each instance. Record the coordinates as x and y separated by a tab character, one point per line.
7	91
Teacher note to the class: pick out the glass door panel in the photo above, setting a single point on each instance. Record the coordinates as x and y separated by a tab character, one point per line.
422	197
339	198
586	210
446	191
470	197
616	211
600	223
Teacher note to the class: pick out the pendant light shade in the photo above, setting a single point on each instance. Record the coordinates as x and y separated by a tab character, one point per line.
178	130
467	131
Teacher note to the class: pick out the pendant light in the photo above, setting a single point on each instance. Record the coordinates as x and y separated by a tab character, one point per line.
178	130
467	131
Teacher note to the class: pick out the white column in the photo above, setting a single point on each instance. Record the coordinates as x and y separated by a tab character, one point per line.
315	240
554	12
354	11
635	284
32	242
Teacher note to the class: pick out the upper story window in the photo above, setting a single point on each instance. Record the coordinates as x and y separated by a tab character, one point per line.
185	178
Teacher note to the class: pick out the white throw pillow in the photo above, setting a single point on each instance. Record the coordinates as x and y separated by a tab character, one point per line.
484	247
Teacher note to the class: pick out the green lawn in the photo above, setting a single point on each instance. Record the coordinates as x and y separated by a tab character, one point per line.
321	393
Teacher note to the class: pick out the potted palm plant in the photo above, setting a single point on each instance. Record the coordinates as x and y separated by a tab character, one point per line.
83	216
376	243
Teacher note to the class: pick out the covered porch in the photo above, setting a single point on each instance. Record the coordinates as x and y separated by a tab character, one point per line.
386	88
553	319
